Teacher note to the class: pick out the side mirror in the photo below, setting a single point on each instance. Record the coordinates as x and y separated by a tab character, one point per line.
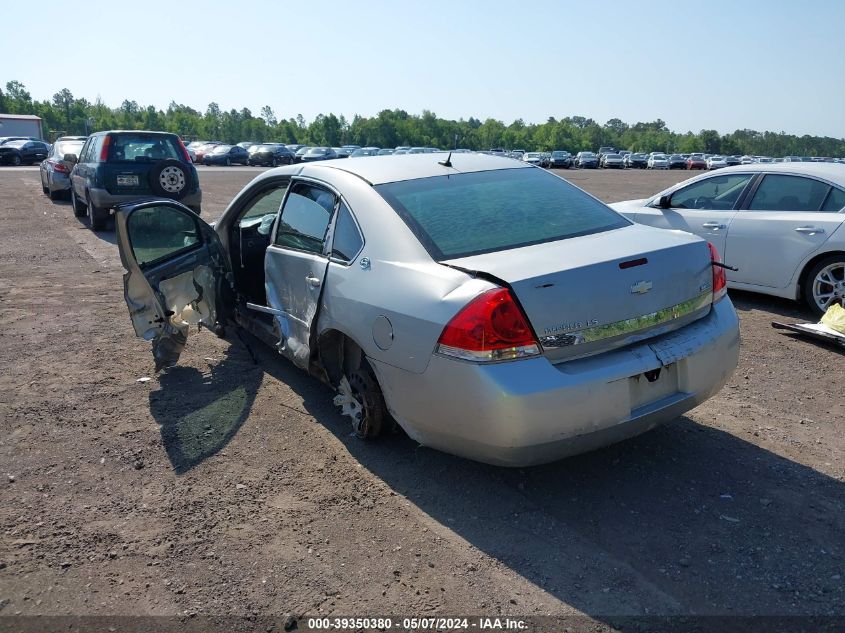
70	158
665	202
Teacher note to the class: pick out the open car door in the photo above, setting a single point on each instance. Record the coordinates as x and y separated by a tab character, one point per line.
177	274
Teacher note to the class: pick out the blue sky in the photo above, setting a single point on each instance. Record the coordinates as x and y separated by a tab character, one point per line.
714	64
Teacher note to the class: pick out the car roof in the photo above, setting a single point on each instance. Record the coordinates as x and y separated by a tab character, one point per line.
378	170
834	172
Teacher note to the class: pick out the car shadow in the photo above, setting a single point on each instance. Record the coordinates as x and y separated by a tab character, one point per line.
199	412
685	520
109	235
749	301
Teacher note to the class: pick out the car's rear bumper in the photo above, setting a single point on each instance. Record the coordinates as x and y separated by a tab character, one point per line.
106	200
58	181
530	411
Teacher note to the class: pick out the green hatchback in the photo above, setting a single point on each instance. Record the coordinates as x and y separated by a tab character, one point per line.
120	166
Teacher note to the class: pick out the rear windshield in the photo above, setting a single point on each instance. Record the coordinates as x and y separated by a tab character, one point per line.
467	214
68	147
144	147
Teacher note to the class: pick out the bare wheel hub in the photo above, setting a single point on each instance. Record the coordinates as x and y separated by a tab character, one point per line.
350	405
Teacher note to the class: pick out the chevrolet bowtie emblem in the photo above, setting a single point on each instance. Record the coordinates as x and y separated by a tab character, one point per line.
641	287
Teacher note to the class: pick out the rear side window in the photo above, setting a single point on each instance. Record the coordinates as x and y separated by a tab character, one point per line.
468	214
788	193
143	148
305	218
347	241
835	200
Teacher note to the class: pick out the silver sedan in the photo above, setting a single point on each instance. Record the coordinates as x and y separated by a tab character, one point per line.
490	308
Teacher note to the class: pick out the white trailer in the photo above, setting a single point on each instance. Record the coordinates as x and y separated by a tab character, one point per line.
20	125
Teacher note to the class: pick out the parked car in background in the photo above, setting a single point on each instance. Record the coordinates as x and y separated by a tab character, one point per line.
636	160
696	161
676	161
342	152
365	151
561	159
226	155
9	139
605	150
121	166
612	161
55	170
658	161
535	158
733	160
202	150
779	224
318	153
294	147
23	152
297	157
715	162
385	152
586	160
247	144
442	298
270	154
418	150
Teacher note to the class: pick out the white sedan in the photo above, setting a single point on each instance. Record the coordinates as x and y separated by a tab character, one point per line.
658	161
779	224
716	162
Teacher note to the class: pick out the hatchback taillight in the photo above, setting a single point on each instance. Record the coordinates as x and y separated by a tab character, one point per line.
59	167
185	153
491	327
720	280
104	150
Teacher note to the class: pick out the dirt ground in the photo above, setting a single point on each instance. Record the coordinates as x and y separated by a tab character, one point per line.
230	485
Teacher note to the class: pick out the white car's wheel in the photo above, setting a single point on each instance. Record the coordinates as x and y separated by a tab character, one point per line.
825	284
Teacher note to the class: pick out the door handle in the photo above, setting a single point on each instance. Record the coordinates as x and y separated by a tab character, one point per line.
314	282
809	230
713	225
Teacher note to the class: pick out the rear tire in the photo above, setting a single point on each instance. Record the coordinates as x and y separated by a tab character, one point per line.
363	401
827	276
228	162
97	217
16	161
79	210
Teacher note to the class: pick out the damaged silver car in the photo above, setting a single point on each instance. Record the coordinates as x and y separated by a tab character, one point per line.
490	308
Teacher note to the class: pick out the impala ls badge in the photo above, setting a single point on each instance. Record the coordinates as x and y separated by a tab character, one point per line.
641	287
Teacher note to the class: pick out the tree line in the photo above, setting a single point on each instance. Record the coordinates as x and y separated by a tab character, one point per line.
65	114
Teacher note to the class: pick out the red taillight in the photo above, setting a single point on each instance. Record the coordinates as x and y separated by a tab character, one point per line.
184	151
491	327
59	167
104	150
720	281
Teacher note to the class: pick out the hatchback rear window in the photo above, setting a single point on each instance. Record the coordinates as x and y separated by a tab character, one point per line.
468	214
143	147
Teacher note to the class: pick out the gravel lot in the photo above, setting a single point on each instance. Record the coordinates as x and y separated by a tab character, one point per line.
231	486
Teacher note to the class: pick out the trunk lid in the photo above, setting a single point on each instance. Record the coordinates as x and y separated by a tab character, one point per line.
597	292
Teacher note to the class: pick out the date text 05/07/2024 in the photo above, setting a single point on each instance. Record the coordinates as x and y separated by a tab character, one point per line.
416	624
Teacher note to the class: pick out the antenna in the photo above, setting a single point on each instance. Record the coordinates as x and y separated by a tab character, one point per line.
447	162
